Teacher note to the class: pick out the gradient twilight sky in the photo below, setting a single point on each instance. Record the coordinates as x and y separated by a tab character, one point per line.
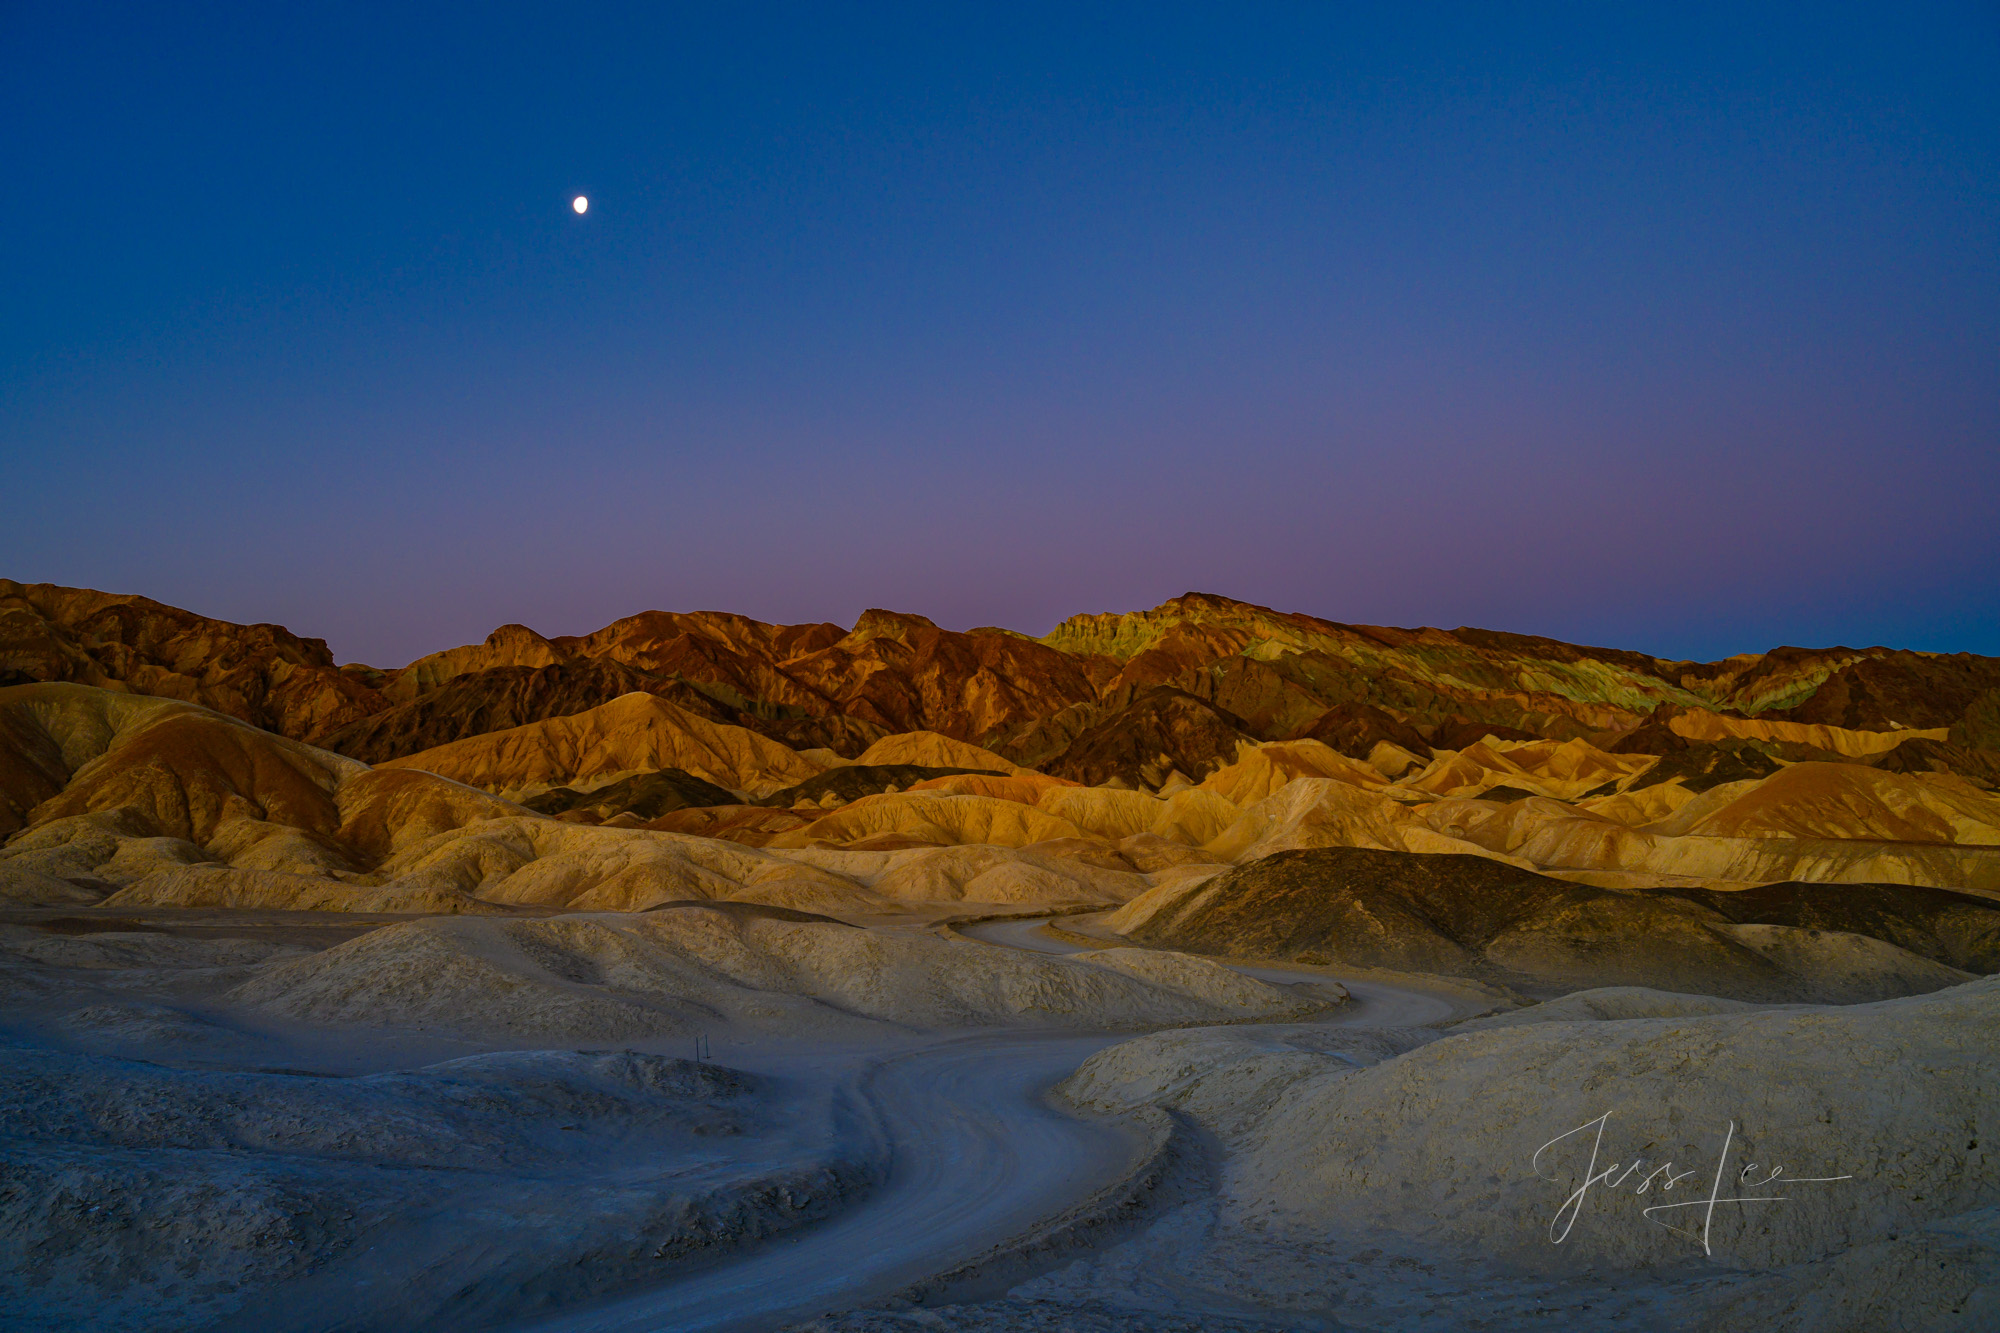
1673	328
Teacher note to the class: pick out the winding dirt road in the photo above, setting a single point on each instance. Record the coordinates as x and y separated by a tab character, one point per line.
977	1156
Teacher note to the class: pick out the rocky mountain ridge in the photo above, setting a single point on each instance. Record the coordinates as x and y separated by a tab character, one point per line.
1085	700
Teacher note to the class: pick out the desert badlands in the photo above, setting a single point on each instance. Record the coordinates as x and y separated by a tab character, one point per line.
1206	967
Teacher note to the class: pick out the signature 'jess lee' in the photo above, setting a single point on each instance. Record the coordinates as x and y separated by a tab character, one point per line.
1619	1174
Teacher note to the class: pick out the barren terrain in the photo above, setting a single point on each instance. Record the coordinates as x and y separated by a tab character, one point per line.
1205	967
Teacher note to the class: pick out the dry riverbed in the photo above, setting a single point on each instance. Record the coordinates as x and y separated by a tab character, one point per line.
727	1117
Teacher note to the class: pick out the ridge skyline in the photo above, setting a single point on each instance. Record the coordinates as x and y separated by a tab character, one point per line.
1102	695
853	626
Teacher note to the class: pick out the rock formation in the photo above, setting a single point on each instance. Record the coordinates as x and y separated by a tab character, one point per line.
1472	916
1614	770
1081	701
263	674
636	733
1162	732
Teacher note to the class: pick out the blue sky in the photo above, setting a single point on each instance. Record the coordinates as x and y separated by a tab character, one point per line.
1670	328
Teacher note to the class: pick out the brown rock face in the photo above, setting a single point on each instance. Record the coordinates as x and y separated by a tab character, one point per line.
186	776
751	825
851	782
846	736
508	646
1981	767
1758	682
1162	731
645	795
1701	767
1270	700
498	698
1889	690
263	674
1460	733
905	674
738	656
1979	728
1356	729
1653	736
808	685
1072	698
32	768
1279	671
176	783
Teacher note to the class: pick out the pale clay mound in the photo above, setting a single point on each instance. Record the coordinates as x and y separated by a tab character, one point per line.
1845	801
930	750
1841	967
118	957
966	810
934	818
228	886
694	970
536	862
1261	770
1701	725
1896	1095
638	733
540	862
144	1197
1564	770
1610	1004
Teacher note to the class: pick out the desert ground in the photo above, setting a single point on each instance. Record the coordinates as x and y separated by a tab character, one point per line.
1208	967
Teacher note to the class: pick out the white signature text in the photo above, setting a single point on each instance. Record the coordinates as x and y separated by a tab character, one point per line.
1662	1178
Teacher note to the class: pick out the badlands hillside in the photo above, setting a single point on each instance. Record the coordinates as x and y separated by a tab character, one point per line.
383	983
150	756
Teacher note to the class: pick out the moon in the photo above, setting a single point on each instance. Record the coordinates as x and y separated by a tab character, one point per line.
580	204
